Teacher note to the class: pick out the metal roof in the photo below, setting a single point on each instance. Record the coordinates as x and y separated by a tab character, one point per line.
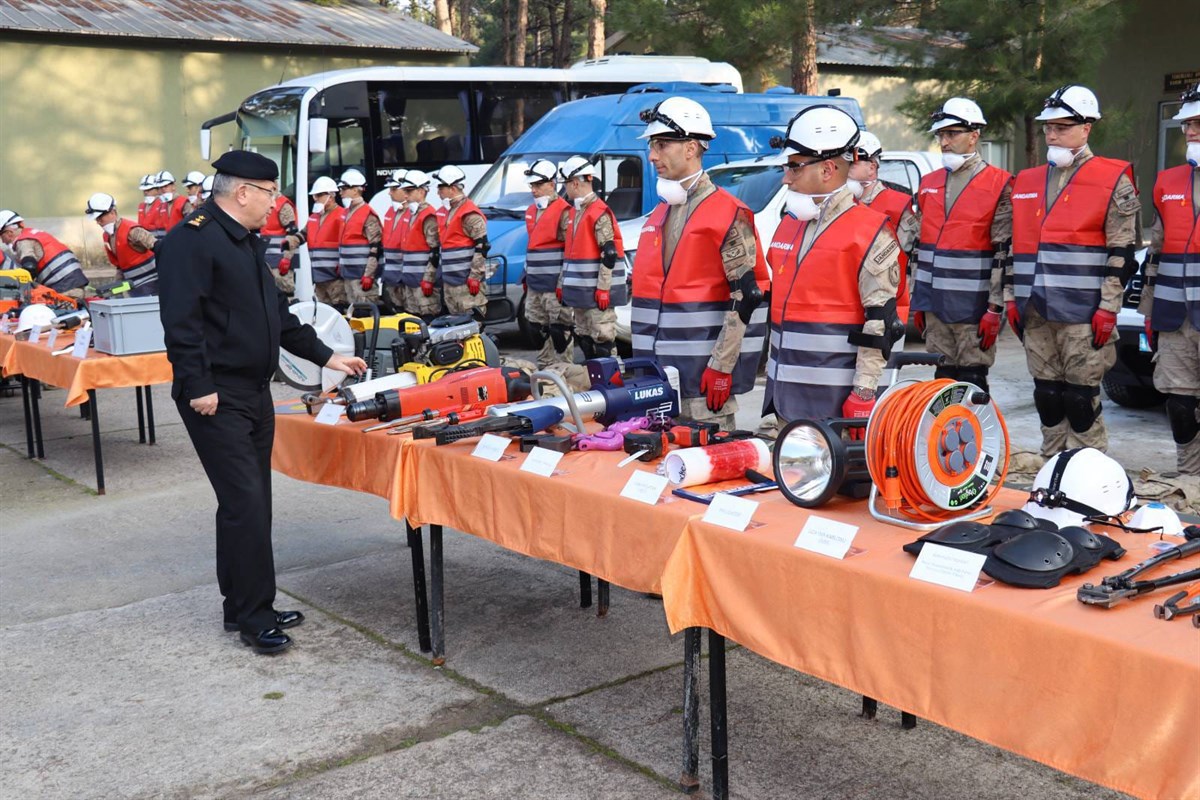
850	45
355	24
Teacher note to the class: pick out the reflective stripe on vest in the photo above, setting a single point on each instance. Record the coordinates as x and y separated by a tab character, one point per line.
955	255
458	249
1060	254
395	227
1177	288
893	204
544	254
679	308
273	234
58	268
136	267
815	305
323	237
353	247
581	260
415	251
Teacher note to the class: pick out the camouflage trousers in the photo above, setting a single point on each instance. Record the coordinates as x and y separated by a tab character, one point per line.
459	300
1062	351
286	283
600	326
415	301
1177	371
352	288
958	342
695	409
542	309
331	292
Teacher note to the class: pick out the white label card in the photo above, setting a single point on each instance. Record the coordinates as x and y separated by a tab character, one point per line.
52	339
35	334
946	566
6	326
491	446
645	487
826	536
730	511
541	461
330	414
83	338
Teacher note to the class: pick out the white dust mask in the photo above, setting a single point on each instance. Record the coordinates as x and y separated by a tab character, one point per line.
542	202
109	228
803	206
413	205
954	161
1060	157
672	192
1193	154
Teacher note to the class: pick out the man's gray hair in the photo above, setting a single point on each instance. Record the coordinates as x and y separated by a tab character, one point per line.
224	184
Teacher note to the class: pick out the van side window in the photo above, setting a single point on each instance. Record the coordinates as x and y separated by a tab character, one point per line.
622	184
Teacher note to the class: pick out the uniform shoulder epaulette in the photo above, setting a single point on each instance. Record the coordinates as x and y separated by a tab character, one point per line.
198	221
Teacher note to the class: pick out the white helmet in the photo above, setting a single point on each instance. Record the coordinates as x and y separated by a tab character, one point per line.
9	218
1075	485
1071	101
323	185
207	184
820	131
541	170
352	178
36	314
957	111
99	204
577	167
868	148
1191	104
164	178
147	183
194	178
678	118
415	179
450	175
395	179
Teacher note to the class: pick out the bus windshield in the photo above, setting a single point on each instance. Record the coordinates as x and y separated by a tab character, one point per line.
267	124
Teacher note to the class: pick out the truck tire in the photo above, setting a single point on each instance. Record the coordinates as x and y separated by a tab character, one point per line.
1132	396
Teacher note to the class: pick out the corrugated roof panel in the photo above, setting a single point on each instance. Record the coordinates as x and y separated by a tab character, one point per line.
354	23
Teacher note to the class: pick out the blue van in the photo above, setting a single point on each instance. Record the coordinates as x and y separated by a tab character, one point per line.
606	128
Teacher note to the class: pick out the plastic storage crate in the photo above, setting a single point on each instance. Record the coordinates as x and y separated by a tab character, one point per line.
126	326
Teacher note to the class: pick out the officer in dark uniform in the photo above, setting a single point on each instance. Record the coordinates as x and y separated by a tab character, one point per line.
223	322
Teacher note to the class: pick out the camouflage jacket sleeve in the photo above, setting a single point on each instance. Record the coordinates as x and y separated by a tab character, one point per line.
604	235
26	249
878	281
141	239
373	230
1120	230
475	226
738	254
1001	237
430	229
1150	267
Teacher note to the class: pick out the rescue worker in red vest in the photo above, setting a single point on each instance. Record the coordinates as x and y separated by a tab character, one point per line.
699	276
395	226
323	234
421	251
174	207
206	189
149	193
153	218
192	184
465	246
1075	223
129	247
50	262
592	281
361	247
1171	293
281	222
966	228
546	222
835	274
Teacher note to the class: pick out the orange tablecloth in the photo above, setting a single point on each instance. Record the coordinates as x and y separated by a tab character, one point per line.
575	517
1110	695
78	375
6	343
340	455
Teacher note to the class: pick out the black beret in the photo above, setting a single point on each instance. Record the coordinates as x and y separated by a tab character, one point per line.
245	164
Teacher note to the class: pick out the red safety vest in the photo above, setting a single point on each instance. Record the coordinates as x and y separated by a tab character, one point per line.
272	228
679	308
581	259
1179	262
893	204
458	249
395	228
415	248
353	247
1054	249
323	237
58	268
544	253
141	213
175	211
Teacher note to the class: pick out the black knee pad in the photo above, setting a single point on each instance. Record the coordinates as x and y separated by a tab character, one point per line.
561	336
588	345
1048	400
1181	411
946	371
975	375
538	334
604	349
1077	400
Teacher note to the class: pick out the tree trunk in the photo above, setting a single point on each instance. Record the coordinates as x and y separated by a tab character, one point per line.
520	33
441	15
804	49
596	29
1031	143
562	57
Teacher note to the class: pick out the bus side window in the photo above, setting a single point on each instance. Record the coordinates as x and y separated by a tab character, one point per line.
346	148
422	124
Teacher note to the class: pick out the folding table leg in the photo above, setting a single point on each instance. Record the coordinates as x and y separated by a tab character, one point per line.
718	714
149	414
416	544
27	408
137	391
35	396
689	781
869	707
96	441
908	721
437	608
602	598
585	590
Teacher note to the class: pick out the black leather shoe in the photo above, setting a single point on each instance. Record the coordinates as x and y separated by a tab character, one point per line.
283	619
267	642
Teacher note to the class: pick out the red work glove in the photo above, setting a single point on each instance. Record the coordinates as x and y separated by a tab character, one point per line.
919	321
284	265
472	286
366	282
715	386
1103	323
427	288
558	293
602	304
856	407
1150	342
1014	319
989	329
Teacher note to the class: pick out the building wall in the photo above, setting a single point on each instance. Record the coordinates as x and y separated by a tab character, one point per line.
80	118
